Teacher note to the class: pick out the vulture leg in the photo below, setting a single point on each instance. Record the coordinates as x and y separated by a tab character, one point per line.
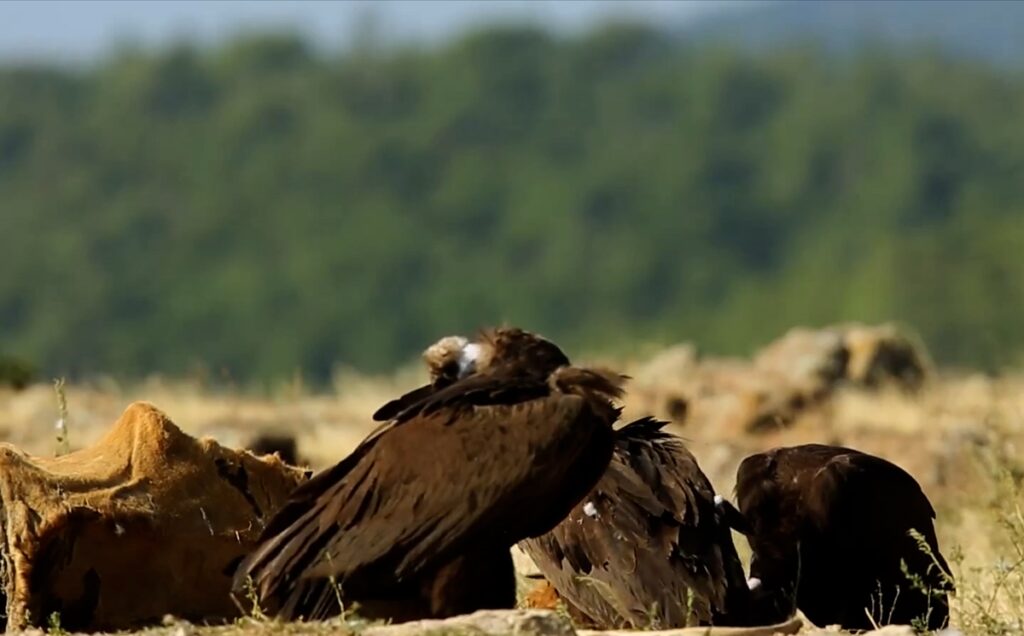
319	599
394	610
772	583
480	579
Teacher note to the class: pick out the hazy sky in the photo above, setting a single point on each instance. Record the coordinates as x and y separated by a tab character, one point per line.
76	29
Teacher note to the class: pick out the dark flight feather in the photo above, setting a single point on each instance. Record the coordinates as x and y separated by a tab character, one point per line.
394	407
646	548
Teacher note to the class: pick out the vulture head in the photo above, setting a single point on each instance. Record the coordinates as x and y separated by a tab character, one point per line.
450	358
515	348
508	351
455	357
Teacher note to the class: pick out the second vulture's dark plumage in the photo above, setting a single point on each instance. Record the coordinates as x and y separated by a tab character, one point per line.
648	547
833	524
419	519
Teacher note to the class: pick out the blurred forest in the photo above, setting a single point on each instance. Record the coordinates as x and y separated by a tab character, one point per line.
260	208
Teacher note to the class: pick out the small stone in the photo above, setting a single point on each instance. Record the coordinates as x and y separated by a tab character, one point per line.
484	622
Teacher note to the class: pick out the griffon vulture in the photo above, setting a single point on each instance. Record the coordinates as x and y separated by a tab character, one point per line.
834	525
648	547
418	521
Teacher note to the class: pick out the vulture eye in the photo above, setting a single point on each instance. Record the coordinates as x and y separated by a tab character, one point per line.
450	370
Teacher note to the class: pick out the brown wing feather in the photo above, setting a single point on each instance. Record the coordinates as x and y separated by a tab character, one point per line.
391	409
455	470
865	508
652	539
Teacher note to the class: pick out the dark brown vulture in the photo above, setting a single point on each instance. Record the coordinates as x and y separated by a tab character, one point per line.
418	521
834	523
648	547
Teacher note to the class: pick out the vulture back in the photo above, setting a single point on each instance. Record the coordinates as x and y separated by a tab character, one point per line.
831	534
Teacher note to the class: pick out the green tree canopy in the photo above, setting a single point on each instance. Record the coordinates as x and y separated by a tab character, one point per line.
262	208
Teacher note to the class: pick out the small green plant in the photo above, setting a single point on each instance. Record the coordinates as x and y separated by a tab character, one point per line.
256	612
991	597
935	565
562	609
917	582
63	443
351	617
332	580
652	617
876	612
691	600
53	624
336	587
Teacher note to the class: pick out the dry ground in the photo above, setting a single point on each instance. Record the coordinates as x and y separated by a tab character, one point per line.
962	436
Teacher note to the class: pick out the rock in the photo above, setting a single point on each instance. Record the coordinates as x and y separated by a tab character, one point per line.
531	622
283	444
888	630
863	355
739	398
882	355
792	626
147	502
813	359
505	622
893	630
792	378
675	363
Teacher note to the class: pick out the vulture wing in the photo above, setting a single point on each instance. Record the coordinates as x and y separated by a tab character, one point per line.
645	548
455	469
856	482
836	521
391	410
866	501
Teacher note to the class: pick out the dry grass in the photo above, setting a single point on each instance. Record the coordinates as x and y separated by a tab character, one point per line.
962	437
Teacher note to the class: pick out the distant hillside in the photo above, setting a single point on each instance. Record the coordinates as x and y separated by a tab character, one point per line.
984	29
257	208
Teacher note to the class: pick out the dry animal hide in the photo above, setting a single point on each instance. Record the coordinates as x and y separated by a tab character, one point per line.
147	522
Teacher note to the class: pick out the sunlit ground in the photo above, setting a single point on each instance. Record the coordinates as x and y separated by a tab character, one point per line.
962	437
